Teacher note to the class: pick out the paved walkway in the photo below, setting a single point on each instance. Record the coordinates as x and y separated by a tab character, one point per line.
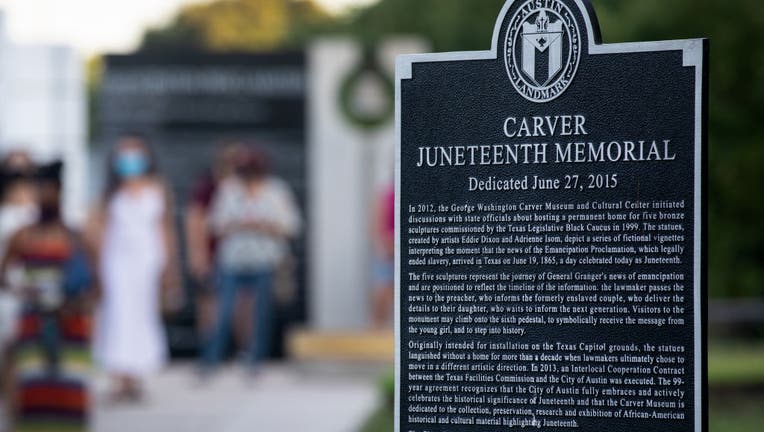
281	399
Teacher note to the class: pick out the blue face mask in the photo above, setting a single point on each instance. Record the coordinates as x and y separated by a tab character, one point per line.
131	165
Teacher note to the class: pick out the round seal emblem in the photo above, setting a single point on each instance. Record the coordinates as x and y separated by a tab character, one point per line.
542	50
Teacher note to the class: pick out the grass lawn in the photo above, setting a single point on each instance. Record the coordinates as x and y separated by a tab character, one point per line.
381	421
743	416
736	364
730	366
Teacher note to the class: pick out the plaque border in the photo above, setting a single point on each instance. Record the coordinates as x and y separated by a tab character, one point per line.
695	54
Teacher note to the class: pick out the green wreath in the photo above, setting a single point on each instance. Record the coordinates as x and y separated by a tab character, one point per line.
368	64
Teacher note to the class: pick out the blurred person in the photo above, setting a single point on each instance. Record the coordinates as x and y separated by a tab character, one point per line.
255	216
202	243
18	205
47	388
18	208
18	195
383	296
133	231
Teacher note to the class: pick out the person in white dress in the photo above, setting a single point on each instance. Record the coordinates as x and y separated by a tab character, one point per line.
133	231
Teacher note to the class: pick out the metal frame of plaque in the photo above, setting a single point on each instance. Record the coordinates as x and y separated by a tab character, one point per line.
694	55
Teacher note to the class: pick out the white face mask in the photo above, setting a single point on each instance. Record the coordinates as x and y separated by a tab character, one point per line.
14	216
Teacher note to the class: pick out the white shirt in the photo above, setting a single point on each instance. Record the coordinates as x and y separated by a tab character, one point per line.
246	249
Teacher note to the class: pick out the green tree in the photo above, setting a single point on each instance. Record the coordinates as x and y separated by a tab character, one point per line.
736	209
450	25
237	25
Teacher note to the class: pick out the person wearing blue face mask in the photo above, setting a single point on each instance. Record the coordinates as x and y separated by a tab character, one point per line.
131	164
133	230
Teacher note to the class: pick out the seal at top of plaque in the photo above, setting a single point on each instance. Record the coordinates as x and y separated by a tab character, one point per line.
543	49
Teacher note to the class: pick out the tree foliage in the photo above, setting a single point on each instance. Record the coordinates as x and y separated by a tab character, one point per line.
450	25
736	31
237	25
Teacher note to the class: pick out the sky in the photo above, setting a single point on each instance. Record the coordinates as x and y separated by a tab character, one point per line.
96	26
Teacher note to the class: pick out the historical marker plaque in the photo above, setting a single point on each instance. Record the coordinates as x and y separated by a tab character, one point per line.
551	218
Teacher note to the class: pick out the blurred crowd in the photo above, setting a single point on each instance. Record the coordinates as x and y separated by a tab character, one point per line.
77	300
